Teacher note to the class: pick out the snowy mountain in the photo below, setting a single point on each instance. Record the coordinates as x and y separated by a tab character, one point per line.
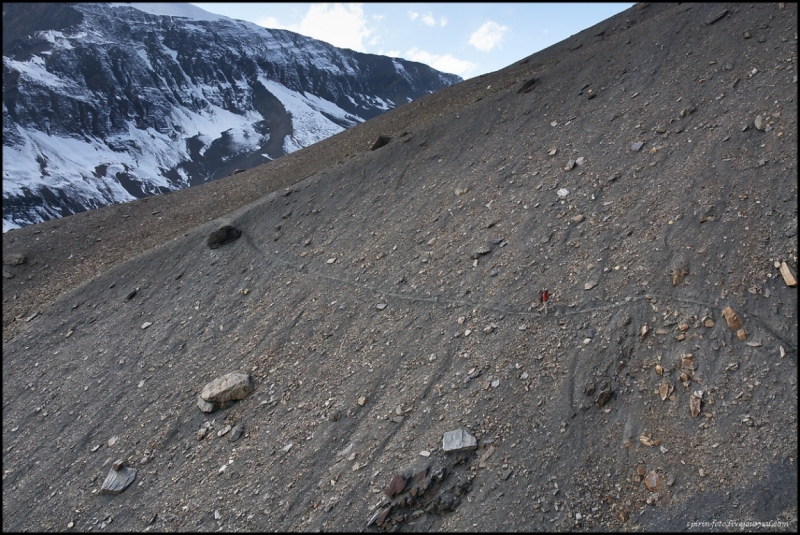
104	103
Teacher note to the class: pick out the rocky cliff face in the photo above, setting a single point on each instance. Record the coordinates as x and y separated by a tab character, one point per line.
104	103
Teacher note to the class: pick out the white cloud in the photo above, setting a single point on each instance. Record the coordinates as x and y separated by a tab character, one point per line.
445	63
488	36
272	22
428	19
342	25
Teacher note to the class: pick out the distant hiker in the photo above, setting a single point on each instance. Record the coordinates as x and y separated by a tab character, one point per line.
544	297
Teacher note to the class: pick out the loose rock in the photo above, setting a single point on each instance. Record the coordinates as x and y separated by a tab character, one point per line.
14	259
237	431
741	334
222	236
396	486
733	319
206	406
665	390
483	249
458	440
715	17
694	405
788	276
118	479
233	386
652	481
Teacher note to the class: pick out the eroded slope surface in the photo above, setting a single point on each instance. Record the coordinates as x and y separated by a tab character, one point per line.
390	296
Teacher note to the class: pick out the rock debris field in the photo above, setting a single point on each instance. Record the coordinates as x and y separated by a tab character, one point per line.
350	337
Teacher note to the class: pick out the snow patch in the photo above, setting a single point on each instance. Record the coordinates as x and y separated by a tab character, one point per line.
143	54
34	70
309	125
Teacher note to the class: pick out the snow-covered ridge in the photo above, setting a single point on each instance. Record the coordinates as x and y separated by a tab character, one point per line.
140	99
172	9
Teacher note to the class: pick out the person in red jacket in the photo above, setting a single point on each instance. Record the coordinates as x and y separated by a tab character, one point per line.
544	297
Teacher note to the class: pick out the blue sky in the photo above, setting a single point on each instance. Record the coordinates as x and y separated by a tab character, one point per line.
467	39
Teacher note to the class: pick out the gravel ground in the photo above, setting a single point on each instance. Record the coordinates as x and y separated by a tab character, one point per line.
380	298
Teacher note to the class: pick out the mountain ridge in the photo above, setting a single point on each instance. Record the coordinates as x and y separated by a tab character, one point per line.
122	103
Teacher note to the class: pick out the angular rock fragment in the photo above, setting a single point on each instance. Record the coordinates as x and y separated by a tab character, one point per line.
483	249
383	515
230	387
788	276
14	259
381	142
206	406
647	441
222	236
237	431
396	486
716	16
734	321
677	275
741	334
652	481
694	405
446	502
527	87
605	395
458	440
118	478
420	476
